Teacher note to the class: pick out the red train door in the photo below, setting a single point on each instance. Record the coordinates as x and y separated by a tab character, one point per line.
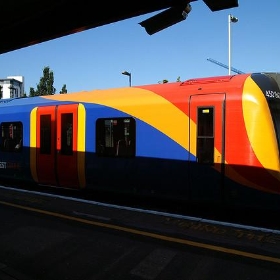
45	149
207	144
59	150
66	145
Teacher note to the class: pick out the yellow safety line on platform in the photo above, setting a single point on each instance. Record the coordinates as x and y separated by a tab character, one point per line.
149	234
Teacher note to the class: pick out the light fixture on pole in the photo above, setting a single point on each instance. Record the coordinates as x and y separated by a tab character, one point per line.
231	19
129	75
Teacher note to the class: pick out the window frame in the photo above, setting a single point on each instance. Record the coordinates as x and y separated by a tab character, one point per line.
115	137
11	136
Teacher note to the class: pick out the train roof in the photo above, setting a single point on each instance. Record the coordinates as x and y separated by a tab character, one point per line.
166	90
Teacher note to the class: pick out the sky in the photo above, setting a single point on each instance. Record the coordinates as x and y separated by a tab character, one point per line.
96	58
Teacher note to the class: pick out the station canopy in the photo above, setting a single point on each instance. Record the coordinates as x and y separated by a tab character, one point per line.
27	22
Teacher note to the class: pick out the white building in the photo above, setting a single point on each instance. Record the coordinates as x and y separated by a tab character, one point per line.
12	87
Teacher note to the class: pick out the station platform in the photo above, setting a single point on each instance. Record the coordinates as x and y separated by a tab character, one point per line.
50	237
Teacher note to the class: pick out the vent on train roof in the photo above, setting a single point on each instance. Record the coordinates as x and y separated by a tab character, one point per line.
207	80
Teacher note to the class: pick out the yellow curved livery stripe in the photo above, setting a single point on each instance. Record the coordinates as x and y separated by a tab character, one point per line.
256	114
81	145
32	138
142	104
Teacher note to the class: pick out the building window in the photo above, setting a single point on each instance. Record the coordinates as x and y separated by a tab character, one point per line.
115	137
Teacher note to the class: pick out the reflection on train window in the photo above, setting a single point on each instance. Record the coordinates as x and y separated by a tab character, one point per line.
66	134
115	137
45	134
11	136
205	135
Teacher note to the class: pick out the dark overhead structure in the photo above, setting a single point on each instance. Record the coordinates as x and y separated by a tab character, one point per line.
166	18
27	22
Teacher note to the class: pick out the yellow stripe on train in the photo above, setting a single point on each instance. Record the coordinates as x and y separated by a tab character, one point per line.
256	113
147	106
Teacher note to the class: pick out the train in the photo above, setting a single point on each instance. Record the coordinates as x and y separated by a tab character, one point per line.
213	140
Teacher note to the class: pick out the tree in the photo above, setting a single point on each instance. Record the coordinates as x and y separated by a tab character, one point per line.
164	81
45	86
63	90
32	92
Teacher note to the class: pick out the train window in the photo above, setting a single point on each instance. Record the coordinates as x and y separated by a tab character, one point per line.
45	134
11	136
274	106
205	135
67	134
115	137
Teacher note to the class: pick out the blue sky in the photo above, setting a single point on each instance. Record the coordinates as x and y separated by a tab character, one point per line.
94	59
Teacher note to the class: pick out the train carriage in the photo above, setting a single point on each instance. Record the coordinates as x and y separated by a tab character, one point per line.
213	140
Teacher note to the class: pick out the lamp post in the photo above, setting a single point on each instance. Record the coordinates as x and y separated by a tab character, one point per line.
129	75
231	19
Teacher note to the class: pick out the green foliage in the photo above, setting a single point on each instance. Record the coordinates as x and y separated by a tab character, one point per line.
63	90
32	92
45	86
164	81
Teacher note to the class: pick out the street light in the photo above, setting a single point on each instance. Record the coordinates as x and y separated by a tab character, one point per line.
129	75
231	19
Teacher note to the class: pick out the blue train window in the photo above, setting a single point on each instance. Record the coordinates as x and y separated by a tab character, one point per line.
11	136
115	137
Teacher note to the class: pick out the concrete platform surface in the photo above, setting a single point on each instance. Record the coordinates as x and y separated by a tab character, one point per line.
54	238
